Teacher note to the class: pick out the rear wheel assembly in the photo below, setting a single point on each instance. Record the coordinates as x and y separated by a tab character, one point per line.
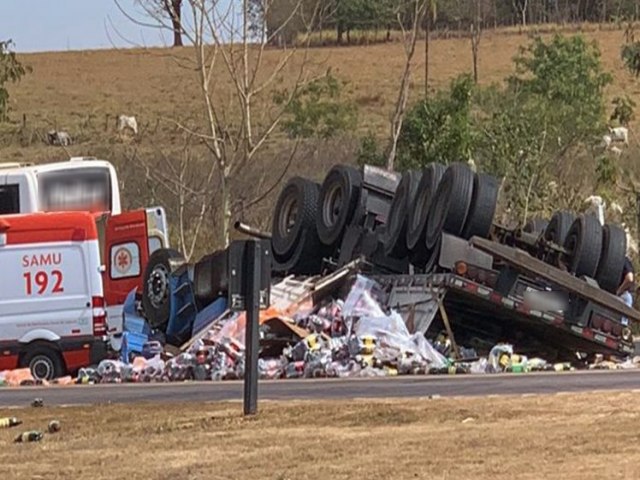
419	210
450	207
395	238
536	226
306	253
611	264
483	206
295	212
338	201
584	245
558	227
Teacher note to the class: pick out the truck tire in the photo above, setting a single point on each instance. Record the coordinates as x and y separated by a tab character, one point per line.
210	277
155	289
395	238
339	196
558	227
536	226
419	209
306	259
584	245
483	206
614	249
296	209
434	255
450	207
44	361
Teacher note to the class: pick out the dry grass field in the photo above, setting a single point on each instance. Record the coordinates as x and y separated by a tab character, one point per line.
72	89
83	92
587	436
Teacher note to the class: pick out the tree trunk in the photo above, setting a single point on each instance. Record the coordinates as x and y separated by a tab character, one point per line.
427	38
225	192
475	41
340	33
174	9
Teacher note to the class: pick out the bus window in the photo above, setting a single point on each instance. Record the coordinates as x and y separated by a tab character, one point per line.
87	189
9	199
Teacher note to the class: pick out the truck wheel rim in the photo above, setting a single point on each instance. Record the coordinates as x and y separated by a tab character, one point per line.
288	216
42	368
158	285
332	207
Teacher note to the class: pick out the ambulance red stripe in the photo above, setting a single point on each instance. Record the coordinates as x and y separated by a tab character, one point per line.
47	227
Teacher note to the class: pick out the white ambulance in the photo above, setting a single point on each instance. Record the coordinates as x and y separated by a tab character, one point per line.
52	309
80	184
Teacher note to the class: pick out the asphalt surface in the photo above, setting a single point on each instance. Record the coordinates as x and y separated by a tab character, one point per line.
397	387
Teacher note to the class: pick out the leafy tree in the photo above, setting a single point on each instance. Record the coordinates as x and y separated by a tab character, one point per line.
317	109
565	72
438	129
369	152
11	71
552	107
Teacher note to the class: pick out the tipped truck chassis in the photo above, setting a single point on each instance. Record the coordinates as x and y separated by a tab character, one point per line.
484	293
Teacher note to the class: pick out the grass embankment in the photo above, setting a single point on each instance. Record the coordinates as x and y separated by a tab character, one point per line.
560	436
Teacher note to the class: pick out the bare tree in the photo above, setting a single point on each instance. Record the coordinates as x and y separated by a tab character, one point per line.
409	39
237	86
521	6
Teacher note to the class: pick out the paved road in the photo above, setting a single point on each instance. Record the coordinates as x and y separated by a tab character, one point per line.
468	385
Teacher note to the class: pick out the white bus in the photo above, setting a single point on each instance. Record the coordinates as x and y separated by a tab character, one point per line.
79	184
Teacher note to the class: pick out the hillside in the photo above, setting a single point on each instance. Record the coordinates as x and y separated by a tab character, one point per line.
83	92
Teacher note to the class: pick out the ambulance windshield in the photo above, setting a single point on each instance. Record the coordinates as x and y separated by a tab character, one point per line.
73	189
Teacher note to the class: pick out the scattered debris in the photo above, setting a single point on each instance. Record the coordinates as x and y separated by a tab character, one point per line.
53	426
9	422
37	403
353	334
32	436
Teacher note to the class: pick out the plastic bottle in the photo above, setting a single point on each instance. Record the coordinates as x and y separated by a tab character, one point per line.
32	436
9	422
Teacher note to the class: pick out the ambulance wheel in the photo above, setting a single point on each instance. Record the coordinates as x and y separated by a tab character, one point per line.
155	290
44	362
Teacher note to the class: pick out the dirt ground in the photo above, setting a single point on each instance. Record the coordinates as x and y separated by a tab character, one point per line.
526	437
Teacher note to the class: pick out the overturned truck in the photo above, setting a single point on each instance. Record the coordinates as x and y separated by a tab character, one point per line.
429	238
